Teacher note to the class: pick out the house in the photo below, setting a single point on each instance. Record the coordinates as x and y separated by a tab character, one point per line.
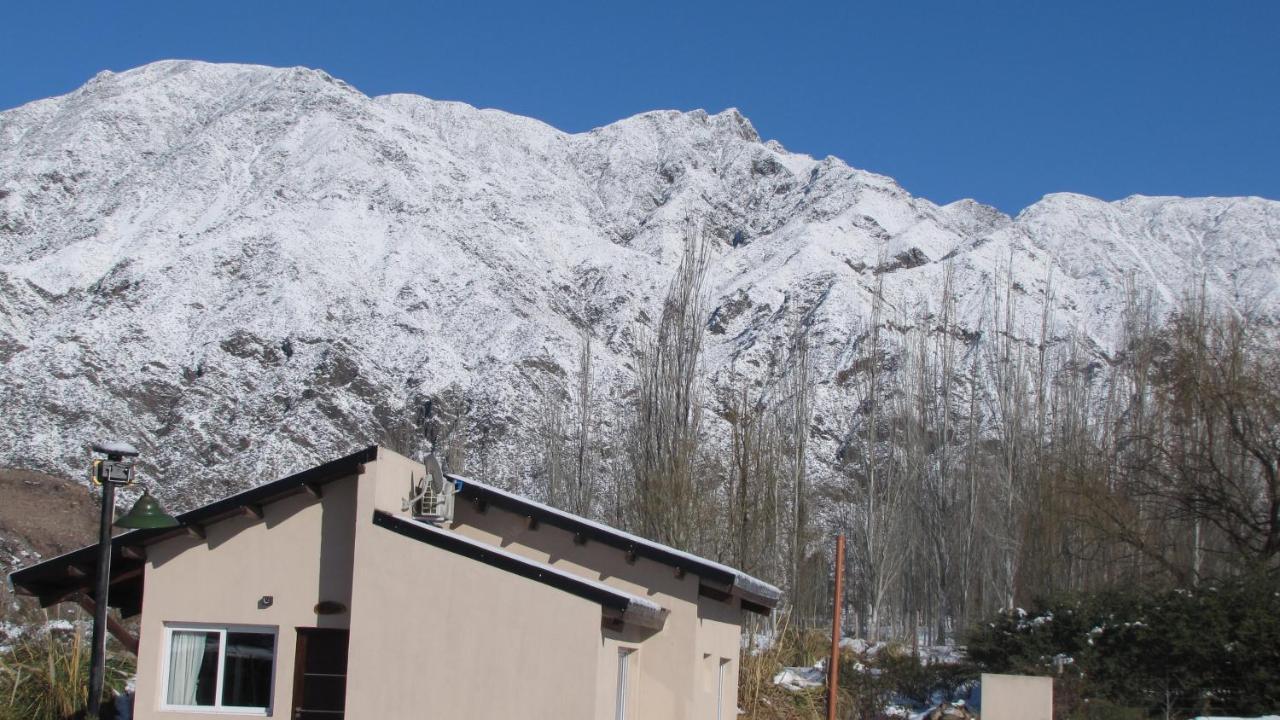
357	587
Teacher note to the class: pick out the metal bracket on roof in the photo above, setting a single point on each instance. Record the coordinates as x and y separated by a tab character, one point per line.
432	497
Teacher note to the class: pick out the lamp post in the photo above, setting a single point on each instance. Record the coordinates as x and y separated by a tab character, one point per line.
116	470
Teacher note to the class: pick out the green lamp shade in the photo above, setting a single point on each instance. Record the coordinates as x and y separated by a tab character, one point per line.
147	513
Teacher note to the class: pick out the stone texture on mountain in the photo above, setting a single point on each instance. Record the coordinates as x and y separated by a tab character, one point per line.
246	269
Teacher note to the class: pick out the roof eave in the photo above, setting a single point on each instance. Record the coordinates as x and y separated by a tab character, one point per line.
615	604
46	580
715	577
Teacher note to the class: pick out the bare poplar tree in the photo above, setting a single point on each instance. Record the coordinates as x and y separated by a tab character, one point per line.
754	480
664	440
1006	366
585	452
798	417
875	495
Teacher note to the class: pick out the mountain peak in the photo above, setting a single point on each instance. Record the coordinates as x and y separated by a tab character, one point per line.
237	264
737	123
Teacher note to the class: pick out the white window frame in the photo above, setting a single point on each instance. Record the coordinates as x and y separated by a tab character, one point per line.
622	698
221	630
720	685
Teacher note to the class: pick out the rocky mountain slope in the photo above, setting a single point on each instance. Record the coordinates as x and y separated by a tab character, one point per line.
40	517
244	269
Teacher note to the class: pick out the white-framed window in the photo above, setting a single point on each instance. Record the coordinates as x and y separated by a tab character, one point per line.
721	684
218	668
625	656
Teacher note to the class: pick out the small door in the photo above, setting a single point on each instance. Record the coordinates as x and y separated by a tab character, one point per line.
320	674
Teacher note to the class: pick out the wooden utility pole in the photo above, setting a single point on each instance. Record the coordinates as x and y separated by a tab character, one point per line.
837	601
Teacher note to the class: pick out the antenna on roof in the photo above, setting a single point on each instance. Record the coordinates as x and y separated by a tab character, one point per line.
432	498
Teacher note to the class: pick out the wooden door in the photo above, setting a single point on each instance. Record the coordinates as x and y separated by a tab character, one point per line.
320	674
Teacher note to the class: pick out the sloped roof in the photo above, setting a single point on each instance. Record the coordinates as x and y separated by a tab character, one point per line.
63	577
757	595
625	606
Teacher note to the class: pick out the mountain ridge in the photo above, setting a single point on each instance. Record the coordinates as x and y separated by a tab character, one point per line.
256	268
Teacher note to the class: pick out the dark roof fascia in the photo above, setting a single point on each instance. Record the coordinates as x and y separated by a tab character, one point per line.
51	580
591	531
277	490
528	569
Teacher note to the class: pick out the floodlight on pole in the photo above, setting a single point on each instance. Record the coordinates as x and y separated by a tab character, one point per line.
117	469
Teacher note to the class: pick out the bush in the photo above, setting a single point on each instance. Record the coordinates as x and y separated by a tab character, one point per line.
1106	710
894	676
1211	650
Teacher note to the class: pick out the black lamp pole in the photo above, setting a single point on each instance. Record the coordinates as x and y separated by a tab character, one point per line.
146	513
98	656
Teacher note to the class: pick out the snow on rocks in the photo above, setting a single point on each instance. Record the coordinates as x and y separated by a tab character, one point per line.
255	268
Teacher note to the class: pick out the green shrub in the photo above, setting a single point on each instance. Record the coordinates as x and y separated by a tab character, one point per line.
1211	650
894	675
1106	710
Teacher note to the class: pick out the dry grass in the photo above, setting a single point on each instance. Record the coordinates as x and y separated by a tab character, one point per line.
760	699
45	673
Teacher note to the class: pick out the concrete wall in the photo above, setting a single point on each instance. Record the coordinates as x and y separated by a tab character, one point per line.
435	634
300	553
674	680
1016	697
719	639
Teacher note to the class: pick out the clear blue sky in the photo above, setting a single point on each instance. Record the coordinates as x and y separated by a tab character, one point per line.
1000	101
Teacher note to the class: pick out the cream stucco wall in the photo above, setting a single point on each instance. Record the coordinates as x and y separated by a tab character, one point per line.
438	635
719	638
435	634
673	681
299	553
1016	697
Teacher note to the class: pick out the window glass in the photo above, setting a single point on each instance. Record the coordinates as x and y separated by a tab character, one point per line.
246	677
220	668
193	667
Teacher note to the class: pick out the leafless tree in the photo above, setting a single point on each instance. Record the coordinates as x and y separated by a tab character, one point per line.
665	433
797	417
754	482
570	452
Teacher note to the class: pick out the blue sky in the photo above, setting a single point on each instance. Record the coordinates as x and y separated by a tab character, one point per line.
999	101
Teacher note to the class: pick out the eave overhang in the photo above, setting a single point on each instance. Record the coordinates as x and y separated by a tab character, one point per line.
715	580
70	575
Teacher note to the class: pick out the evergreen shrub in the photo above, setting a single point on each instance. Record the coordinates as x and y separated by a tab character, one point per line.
1210	650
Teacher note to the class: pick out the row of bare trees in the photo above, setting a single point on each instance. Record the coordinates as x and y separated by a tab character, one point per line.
988	469
973	467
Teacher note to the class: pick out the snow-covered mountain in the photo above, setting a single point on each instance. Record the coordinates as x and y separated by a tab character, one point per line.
244	269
